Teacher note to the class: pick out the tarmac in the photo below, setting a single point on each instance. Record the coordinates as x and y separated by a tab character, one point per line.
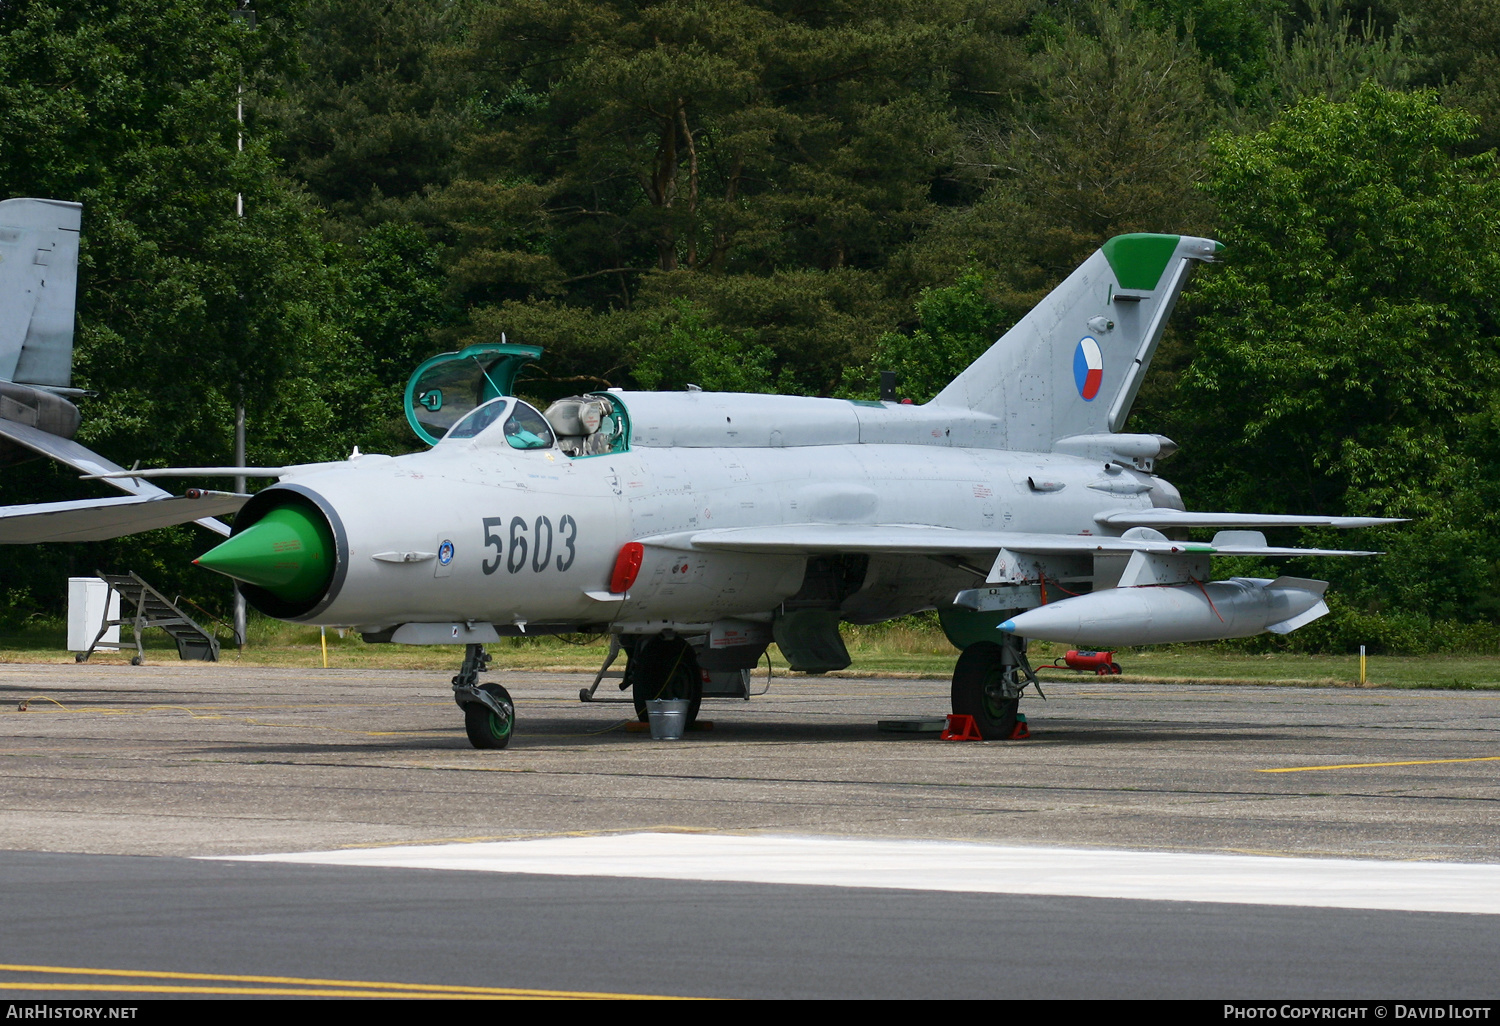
205	759
1148	840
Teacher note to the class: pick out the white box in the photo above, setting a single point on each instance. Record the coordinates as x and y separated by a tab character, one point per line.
87	600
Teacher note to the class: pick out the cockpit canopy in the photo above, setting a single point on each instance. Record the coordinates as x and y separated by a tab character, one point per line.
447	388
463	395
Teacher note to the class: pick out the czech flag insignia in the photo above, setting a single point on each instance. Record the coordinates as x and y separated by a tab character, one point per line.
1088	368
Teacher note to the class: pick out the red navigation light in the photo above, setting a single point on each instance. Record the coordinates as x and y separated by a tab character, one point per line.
627	565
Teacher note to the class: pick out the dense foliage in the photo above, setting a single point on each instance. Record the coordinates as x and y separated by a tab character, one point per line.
761	195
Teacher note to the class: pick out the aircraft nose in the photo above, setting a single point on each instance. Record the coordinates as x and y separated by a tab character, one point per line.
289	552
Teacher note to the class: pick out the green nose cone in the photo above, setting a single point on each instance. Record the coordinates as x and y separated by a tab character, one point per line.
288	552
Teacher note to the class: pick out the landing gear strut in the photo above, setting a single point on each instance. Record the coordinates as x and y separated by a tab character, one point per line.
987	684
489	714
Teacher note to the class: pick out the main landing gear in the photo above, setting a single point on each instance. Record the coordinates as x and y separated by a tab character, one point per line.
489	714
987	684
662	667
658	666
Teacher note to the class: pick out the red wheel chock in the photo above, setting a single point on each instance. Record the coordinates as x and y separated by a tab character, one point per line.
961	728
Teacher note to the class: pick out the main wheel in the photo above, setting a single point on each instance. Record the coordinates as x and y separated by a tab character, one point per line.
665	669
976	677
484	727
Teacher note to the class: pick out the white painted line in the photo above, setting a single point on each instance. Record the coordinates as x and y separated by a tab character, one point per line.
950	866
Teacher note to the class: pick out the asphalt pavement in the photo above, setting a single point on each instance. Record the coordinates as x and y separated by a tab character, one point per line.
123	787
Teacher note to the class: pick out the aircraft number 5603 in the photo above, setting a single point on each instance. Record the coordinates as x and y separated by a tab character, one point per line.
536	538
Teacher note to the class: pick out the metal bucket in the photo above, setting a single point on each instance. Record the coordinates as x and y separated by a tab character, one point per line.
668	717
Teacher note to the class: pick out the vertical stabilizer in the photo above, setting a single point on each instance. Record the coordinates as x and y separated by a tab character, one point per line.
38	283
1073	365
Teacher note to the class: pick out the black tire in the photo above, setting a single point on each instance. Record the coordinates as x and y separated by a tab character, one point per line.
135	660
485	729
980	665
665	669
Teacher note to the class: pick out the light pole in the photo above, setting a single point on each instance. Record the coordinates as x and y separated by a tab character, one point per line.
245	15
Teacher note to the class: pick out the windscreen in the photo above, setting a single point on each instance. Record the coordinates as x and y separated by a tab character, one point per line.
479	419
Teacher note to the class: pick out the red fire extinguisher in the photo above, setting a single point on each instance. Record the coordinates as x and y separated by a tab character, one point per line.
1101	663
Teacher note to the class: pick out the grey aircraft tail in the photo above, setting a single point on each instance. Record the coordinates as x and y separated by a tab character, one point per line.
38	284
1073	365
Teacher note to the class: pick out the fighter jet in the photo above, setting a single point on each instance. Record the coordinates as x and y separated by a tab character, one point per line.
699	527
38	285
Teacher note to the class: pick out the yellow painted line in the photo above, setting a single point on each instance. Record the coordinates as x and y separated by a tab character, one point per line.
1370	765
25	703
346	730
128	988
1490	686
371	988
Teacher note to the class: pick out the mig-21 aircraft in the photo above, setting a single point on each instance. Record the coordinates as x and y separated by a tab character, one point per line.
699	527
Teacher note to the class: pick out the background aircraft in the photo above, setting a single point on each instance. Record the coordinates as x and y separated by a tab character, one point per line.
699	527
38	287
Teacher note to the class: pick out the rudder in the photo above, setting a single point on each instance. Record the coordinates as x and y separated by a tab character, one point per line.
38	287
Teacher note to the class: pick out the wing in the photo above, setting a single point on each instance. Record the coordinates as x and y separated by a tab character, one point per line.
67	451
98	519
119	474
916	539
1159	518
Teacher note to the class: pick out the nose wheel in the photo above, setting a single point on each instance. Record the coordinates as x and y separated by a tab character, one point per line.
489	713
486	727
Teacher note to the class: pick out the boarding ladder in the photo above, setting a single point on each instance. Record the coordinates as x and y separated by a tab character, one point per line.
153	610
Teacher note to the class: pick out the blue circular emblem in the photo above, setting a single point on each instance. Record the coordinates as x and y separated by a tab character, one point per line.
445	553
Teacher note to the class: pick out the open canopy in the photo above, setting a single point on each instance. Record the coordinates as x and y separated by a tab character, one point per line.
447	387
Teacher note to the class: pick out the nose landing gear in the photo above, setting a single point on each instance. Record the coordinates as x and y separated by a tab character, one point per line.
489	713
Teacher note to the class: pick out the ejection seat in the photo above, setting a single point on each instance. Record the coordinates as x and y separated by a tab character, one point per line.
588	425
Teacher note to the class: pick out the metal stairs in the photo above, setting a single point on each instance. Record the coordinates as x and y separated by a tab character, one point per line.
153	610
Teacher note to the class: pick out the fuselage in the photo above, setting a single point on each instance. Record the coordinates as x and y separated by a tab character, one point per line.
474	530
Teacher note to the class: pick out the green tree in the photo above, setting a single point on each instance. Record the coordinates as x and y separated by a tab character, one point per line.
1112	140
1331	55
1235	36
759	160
957	324
370	116
679	349
1456	49
185	308
1351	333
